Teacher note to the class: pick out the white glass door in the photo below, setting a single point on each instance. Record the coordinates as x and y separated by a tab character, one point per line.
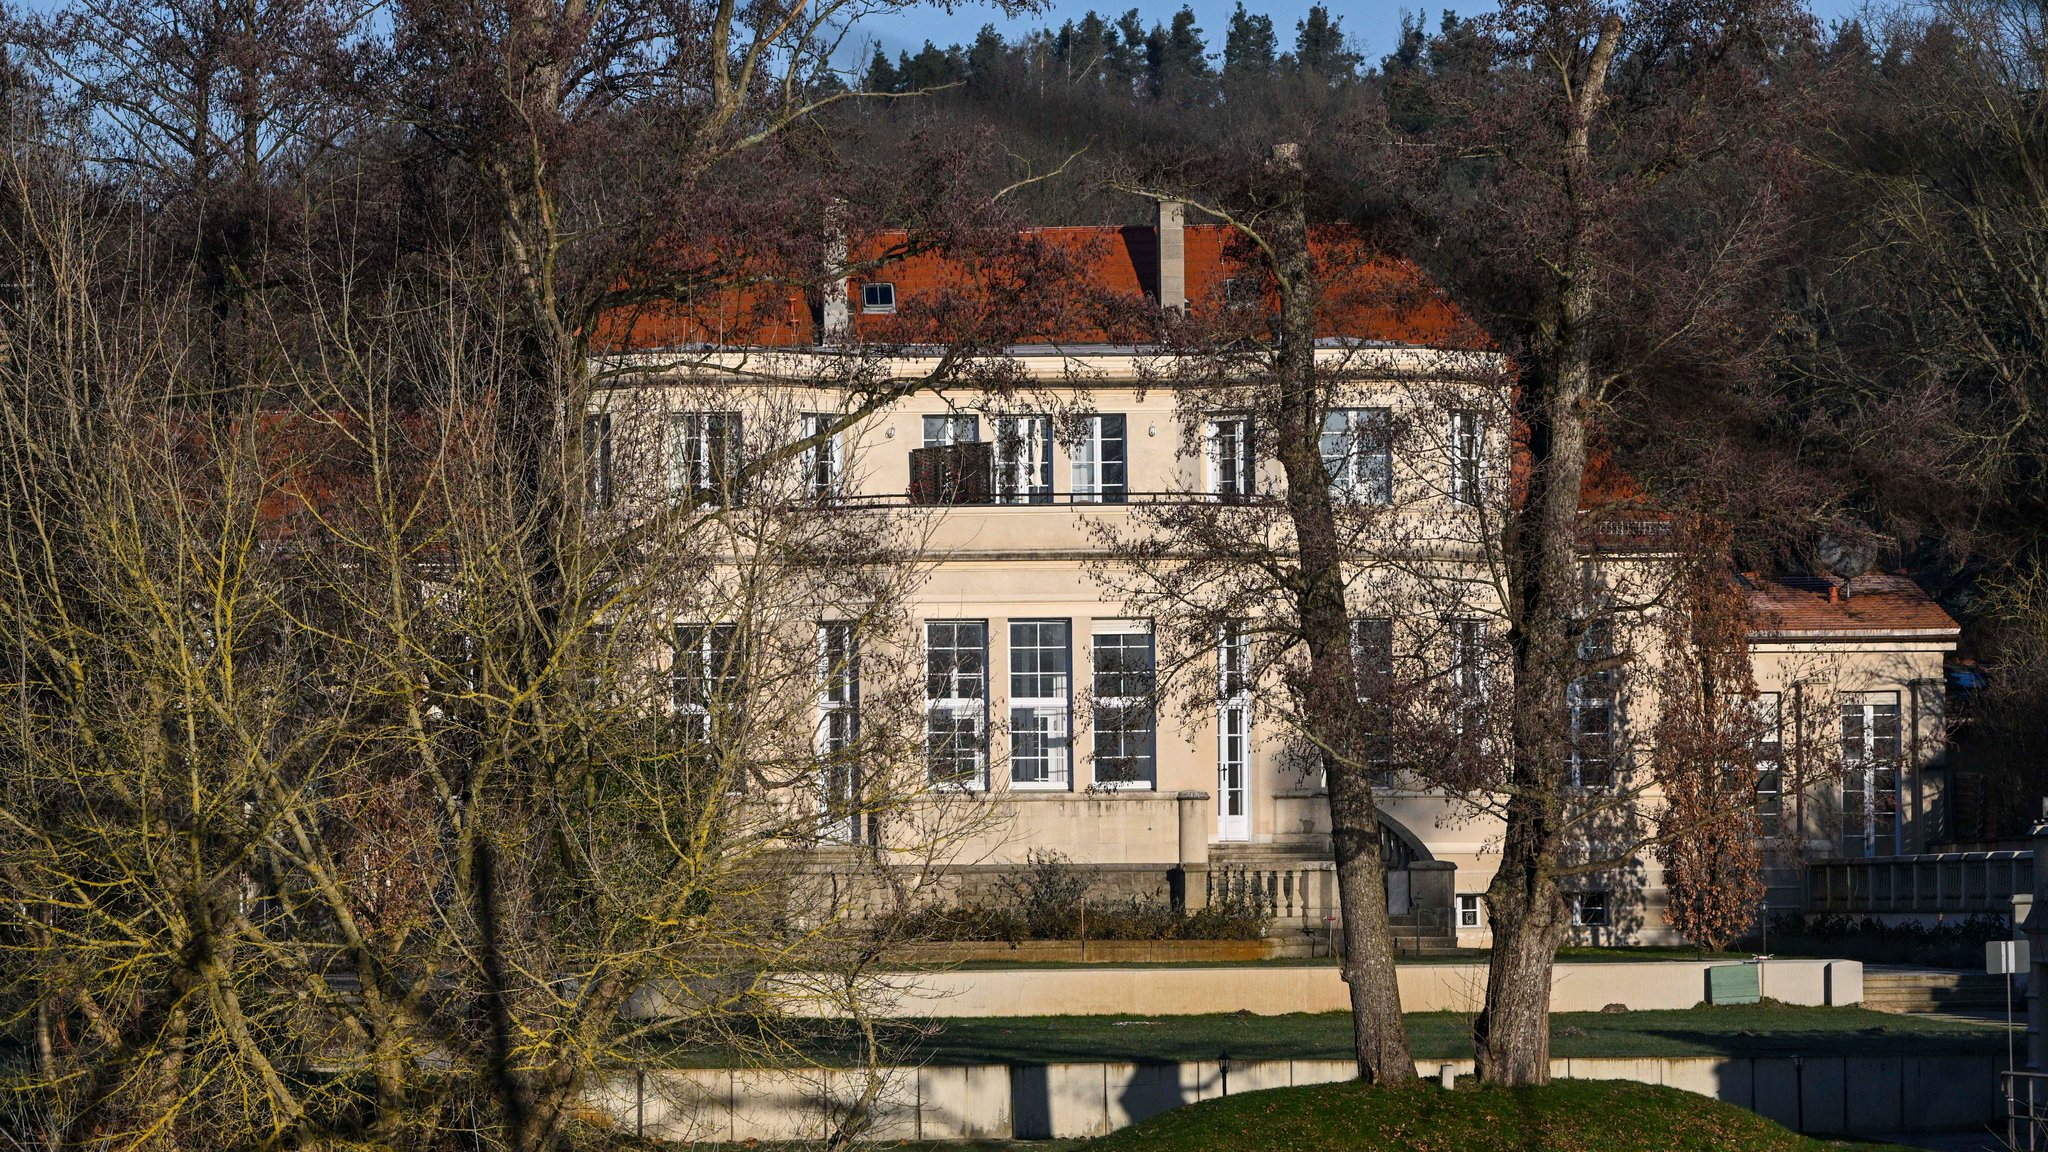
1233	766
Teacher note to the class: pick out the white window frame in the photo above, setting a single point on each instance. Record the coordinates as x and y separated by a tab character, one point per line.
1470	910
1091	467
823	465
1579	902
1023	459
878	296
704	454
700	641
597	461
1591	697
963	700
1358	453
1467	457
1228	439
1468	668
1372	664
839	773
1233	732
1125	704
1768	790
1864	758
945	429
1038	716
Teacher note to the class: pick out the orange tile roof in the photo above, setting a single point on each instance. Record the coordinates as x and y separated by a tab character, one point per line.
1877	605
1085	285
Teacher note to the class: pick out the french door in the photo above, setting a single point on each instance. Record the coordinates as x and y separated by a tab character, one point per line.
1233	769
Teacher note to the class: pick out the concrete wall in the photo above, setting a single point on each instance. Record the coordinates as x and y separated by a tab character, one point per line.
1845	1095
1272	990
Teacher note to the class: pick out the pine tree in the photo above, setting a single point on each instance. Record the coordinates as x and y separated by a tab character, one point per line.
1249	45
1319	46
882	75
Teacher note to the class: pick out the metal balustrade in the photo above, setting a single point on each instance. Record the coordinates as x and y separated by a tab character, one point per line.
1942	882
2026	1111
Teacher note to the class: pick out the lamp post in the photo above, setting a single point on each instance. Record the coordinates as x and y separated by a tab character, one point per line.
1223	1066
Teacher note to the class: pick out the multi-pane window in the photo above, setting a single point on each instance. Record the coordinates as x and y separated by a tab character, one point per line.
839	728
1357	448
1231	458
1468	457
1468	910
1099	461
942	431
822	463
1590	909
1590	700
705	678
1041	702
956	701
704	455
1024	460
1870	776
878	297
1770	765
1468	673
1372	656
1372	662
597	461
1233	731
1123	703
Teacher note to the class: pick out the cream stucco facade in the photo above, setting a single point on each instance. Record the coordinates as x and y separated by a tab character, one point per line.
1215	801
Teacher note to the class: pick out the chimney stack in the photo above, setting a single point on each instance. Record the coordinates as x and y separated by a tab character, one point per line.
1173	256
836	315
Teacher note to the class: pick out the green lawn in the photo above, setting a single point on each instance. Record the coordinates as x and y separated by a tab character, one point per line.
1747	1030
1566	1116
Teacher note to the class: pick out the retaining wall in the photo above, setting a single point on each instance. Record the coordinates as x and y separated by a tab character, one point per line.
1837	1095
1272	990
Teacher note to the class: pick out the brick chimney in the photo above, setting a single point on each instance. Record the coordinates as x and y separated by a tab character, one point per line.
1173	256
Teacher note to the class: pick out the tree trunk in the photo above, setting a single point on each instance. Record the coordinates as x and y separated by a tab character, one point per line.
1331	699
1512	1033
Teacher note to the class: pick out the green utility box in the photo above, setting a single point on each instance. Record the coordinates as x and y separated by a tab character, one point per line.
1735	984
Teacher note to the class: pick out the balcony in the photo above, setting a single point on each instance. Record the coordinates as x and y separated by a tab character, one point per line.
953	474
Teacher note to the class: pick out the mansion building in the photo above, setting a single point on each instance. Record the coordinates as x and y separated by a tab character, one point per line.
1039	679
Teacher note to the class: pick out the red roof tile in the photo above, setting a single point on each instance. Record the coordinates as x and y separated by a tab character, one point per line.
1868	606
1090	284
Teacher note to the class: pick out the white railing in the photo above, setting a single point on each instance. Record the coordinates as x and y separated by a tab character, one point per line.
1301	892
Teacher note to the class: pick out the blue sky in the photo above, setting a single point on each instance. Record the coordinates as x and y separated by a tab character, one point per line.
1373	27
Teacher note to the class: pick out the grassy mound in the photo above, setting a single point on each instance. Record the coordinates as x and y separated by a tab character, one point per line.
1565	1116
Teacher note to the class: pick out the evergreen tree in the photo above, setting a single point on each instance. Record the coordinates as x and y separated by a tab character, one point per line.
1319	46
1249	45
1127	54
986	58
932	67
1177	59
882	75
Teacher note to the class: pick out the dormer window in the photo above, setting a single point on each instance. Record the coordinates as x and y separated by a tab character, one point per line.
878	297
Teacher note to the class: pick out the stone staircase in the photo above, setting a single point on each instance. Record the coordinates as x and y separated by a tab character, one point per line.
1929	990
1423	933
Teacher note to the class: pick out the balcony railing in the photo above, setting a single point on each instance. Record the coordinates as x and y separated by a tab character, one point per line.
1942	882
